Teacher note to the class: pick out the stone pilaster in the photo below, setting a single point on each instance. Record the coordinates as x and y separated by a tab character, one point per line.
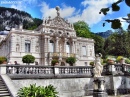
57	45
22	44
13	44
65	40
73	46
45	44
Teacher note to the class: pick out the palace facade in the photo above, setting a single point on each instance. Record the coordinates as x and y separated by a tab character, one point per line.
53	39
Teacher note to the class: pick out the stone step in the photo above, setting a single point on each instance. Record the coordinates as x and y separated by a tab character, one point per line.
3	89
5	94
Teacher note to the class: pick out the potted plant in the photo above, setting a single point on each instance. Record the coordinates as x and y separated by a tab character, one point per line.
54	62
71	60
3	60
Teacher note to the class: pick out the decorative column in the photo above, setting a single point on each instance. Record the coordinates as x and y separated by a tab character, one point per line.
57	45
65	40
22	44
45	44
46	50
73	46
13	45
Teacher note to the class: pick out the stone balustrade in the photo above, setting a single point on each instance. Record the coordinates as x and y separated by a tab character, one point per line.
39	71
33	71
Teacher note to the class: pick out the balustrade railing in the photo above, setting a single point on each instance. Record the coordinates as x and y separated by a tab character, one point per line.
51	71
63	71
28	69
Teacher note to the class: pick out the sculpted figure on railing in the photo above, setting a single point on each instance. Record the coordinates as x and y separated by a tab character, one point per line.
98	68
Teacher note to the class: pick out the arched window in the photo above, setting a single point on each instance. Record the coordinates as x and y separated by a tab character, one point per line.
51	46
67	47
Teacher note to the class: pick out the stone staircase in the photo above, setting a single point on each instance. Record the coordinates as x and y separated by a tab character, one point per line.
4	92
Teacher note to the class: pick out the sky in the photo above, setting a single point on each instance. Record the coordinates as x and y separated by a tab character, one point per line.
73	10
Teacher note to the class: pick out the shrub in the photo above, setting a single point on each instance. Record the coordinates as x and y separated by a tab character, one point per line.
110	59
119	58
91	63
28	59
71	60
37	91
3	59
127	61
54	61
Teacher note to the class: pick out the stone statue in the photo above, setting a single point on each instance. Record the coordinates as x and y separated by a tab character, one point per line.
98	66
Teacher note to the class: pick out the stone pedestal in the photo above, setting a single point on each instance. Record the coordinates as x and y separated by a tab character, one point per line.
99	90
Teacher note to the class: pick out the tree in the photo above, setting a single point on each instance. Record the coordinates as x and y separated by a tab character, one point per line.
99	44
37	91
28	59
82	29
116	23
2	59
71	60
118	44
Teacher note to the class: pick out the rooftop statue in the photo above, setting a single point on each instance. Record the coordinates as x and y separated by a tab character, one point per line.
98	68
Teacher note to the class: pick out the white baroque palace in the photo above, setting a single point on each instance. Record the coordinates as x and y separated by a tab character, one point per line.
53	39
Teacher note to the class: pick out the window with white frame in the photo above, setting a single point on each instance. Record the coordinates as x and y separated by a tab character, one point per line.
84	51
51	46
67	47
27	46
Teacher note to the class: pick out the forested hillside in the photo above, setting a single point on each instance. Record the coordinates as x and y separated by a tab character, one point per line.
10	17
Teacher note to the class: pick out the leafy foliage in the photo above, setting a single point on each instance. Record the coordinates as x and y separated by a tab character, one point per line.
99	44
118	44
116	23
127	61
91	63
71	60
127	2
2	59
54	61
119	58
82	29
28	59
37	91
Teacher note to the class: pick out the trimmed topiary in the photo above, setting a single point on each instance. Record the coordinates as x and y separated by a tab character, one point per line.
28	59
71	60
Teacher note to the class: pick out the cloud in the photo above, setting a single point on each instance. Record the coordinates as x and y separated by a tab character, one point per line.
90	13
65	11
18	6
124	23
22	5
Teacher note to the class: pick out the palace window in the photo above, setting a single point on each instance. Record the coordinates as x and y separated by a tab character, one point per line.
27	46
51	46
84	52
67	47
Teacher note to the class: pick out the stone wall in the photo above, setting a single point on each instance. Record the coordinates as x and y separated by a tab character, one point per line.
73	87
